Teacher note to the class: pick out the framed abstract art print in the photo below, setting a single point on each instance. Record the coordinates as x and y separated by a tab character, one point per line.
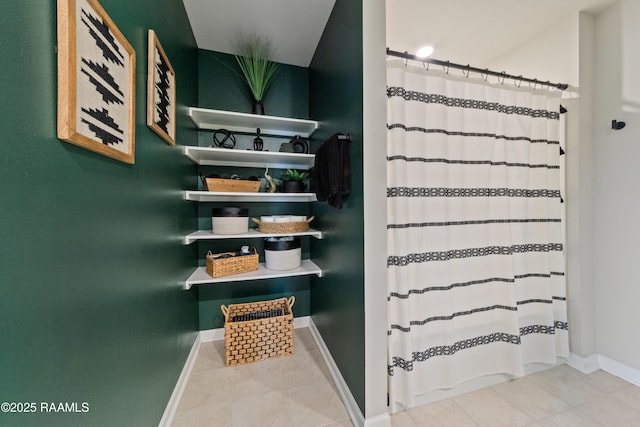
161	92
96	81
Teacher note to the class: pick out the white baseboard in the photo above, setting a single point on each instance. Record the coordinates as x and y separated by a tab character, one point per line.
586	365
590	364
343	389
381	420
174	400
619	370
209	335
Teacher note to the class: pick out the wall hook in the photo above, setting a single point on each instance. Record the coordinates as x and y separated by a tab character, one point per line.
616	125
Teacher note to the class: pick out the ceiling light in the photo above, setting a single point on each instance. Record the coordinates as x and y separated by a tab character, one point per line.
424	51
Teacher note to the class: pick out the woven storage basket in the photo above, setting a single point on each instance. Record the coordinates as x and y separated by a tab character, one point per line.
283	227
232	185
218	267
268	334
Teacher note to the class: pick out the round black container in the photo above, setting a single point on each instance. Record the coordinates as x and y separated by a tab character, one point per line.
293	187
229	212
282	253
282	245
229	220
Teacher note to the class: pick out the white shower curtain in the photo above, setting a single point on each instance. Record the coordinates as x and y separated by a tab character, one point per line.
475	246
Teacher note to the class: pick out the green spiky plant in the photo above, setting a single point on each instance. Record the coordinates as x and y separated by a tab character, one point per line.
294	175
257	69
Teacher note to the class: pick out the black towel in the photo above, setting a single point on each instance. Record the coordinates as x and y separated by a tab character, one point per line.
332	170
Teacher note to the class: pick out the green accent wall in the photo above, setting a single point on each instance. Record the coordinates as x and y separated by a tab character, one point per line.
220	87
91	309
337	300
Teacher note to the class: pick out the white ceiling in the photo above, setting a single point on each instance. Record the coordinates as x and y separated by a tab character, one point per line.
294	26
475	31
465	31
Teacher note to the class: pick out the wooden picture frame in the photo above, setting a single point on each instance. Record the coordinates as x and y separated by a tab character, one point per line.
161	91
96	81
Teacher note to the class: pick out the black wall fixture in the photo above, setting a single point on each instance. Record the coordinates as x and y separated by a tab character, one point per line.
616	125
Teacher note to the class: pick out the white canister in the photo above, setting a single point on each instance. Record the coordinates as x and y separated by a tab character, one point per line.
230	220
282	253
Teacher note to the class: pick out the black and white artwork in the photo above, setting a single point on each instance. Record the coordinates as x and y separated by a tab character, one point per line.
161	91
96	81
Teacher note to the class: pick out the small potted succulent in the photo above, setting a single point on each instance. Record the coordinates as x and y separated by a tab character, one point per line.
293	181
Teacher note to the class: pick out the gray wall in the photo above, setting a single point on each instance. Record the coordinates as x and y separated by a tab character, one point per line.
375	210
615	185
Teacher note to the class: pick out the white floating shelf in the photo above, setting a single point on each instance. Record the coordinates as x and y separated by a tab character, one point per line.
219	196
200	276
252	234
205	118
248	158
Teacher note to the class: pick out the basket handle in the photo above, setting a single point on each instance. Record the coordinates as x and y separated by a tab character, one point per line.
225	311
257	221
291	301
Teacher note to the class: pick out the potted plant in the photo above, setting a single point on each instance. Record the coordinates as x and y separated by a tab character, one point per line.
293	181
257	69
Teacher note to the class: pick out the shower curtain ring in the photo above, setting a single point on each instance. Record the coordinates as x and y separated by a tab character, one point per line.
446	69
518	82
467	73
504	75
485	75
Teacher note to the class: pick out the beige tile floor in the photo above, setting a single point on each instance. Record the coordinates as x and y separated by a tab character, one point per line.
291	391
561	396
297	391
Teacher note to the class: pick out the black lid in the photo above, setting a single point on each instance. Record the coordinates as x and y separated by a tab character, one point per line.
283	244
235	212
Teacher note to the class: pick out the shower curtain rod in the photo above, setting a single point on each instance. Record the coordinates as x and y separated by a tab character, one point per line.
468	68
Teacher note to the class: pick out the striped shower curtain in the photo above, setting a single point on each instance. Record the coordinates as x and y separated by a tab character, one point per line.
475	245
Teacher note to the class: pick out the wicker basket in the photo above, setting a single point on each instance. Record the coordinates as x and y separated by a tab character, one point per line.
269	334
232	185
218	266
283	227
